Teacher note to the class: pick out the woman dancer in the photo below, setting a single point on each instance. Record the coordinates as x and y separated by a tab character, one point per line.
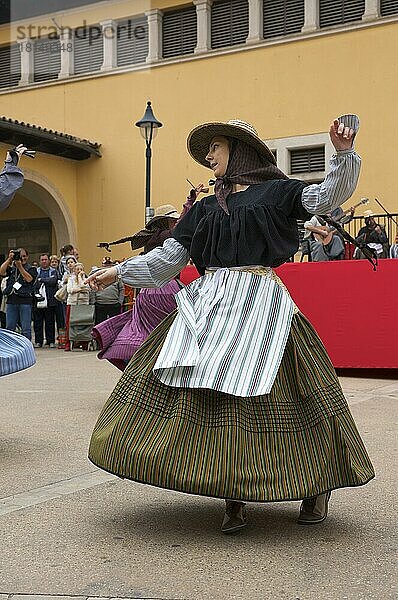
16	351
234	395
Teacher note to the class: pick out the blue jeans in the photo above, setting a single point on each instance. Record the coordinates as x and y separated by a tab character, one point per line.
22	314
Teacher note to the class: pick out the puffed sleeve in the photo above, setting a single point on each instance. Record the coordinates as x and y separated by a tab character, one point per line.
338	185
155	268
11	179
184	230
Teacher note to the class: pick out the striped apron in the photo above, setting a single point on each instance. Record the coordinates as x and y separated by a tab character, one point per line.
229	334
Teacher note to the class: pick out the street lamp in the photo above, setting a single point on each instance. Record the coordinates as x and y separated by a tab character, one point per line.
149	128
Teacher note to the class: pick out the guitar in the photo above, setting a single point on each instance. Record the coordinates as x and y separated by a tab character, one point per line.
323	233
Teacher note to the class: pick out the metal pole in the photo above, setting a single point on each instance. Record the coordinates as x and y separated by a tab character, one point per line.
149	211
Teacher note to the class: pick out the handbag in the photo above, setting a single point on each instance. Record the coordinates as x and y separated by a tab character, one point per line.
41	297
62	293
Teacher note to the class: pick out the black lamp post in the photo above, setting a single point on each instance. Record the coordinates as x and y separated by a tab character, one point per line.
149	128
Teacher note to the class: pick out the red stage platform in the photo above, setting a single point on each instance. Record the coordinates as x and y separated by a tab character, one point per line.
353	308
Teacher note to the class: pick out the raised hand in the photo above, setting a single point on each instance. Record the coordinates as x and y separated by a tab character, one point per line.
341	136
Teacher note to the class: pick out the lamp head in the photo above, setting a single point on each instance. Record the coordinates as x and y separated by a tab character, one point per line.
148	124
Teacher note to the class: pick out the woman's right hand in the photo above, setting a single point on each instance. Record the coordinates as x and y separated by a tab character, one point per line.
102	278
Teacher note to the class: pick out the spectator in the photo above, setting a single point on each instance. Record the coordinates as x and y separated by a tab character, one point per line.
70	262
75	253
108	302
54	261
59	306
394	248
78	294
65	251
48	277
19	291
373	235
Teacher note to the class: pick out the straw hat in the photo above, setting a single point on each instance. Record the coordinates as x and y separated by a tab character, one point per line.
199	139
167	211
367	213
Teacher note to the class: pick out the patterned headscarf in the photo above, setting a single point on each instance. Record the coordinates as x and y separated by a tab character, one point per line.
244	167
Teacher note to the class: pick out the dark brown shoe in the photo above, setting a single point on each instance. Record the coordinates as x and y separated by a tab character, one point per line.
314	510
234	518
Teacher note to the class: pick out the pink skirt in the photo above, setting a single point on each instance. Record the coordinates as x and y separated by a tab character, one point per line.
121	336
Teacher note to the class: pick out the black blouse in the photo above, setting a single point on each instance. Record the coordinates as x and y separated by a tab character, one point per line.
261	228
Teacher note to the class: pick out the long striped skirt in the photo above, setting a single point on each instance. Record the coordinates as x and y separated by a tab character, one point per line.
16	352
297	441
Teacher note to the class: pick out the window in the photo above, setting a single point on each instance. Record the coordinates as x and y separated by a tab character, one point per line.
307	160
88	49
46	59
132	41
282	17
337	12
10	66
229	23
388	7
179	32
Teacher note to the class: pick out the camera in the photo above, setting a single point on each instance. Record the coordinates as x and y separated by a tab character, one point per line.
16	255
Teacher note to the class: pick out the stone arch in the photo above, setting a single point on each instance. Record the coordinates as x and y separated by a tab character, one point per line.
41	192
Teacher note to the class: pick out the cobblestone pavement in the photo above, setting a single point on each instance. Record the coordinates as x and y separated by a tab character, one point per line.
70	531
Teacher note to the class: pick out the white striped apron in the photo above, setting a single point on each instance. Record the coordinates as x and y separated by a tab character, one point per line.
229	334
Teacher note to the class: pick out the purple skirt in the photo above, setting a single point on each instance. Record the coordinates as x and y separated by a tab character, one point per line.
121	336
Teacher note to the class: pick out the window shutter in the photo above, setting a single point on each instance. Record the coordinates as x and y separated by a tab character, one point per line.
388	7
10	65
282	17
179	32
132	41
88	49
229	23
307	160
46	59
337	12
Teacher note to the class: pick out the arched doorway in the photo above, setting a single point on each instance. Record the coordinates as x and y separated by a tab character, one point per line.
38	218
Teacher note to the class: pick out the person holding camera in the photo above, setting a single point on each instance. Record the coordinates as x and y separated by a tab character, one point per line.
19	290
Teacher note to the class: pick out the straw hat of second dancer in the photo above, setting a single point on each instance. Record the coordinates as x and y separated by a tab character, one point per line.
159	222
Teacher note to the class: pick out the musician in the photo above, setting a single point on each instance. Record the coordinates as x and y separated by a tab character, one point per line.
320	248
374	236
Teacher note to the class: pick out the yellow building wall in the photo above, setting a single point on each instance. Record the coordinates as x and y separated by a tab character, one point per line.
288	89
22	206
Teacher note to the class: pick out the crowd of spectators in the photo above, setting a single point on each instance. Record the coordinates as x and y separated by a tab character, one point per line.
50	298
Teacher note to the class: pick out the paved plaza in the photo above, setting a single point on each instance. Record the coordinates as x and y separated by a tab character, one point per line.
68	529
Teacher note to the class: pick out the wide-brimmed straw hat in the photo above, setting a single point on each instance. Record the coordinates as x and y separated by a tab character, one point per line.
166	211
199	139
368	213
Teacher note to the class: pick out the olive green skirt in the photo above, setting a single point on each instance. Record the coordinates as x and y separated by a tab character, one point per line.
297	441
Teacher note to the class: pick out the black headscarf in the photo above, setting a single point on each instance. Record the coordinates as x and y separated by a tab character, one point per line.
245	167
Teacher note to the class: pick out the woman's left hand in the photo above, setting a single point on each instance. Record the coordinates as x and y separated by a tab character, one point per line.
341	136
102	278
